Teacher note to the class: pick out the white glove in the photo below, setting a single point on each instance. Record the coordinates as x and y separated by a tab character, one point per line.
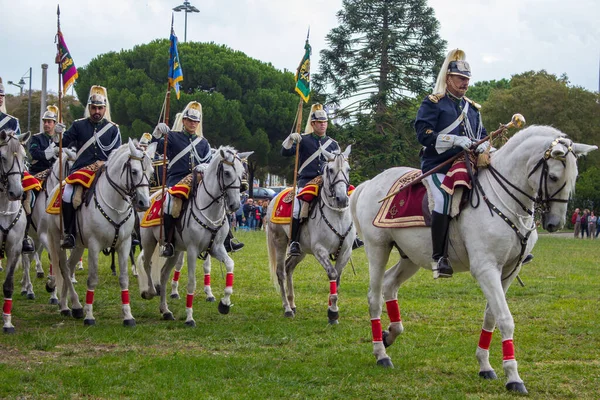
201	168
462	141
160	130
59	128
51	151
294	137
483	147
446	142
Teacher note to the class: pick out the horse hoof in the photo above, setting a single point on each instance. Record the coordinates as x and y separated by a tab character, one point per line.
49	289
23	292
31	296
191	323
130	323
53	302
488	374
77	313
333	315
168	317
517	387
146	295
333	322
40	275
223	309
65	313
211	299
289	314
385	334
89	322
385	362
9	331
175	296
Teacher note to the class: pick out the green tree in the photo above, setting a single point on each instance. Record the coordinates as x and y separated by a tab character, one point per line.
480	91
18	106
384	52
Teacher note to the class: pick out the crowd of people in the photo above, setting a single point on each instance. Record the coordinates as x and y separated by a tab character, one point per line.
251	215
585	223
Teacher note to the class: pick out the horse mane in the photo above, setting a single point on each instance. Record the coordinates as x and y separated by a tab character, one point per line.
530	133
13	146
118	152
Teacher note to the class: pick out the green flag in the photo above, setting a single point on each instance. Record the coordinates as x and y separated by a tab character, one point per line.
303	74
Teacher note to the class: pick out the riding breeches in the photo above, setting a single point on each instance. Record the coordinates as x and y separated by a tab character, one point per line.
442	200
172	205
68	192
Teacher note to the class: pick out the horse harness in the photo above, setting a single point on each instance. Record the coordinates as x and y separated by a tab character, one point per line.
126	193
223	188
541	201
4	184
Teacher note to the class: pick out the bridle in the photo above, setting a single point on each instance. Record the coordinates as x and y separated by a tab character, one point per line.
128	192
339	176
16	164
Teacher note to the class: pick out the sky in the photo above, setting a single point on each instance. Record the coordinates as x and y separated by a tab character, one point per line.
500	38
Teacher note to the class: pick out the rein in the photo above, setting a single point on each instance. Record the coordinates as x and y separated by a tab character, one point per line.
5	232
5	175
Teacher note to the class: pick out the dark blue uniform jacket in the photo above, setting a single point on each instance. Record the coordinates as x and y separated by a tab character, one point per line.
308	145
11	124
37	145
176	142
81	131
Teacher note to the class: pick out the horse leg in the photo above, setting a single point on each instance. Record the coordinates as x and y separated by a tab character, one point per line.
191	287
206	266
132	258
494	290
124	252
483	348
176	275
165	273
288	295
8	289
39	269
392	279
92	282
26	285
221	254
378	256
332	273
68	290
145	280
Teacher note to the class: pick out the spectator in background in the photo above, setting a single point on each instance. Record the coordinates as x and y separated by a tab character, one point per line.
239	215
263	214
257	214
592	222
576	221
597	228
250	214
584	224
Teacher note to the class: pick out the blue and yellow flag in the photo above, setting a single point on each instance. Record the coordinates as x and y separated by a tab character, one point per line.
175	72
303	74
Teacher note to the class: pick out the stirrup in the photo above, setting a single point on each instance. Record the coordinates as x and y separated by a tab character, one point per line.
231	246
441	268
357	244
167	251
528	259
68	242
294	250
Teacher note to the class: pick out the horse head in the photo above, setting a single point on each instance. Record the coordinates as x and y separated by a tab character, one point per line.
553	178
139	173
12	154
228	168
336	177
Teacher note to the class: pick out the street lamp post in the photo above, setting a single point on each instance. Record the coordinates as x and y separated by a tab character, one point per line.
20	85
187	8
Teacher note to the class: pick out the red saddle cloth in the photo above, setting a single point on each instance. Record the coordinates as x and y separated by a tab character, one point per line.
30	182
152	215
282	210
405	209
54	204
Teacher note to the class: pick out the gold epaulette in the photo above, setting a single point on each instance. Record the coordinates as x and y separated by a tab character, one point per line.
476	105
434	98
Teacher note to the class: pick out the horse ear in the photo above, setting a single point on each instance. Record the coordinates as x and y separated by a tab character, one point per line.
71	154
560	150
3	136
244	156
346	152
328	155
132	149
151	150
580	149
24	138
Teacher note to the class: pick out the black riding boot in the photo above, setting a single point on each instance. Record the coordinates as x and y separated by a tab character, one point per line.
230	245
439	236
169	225
27	242
357	243
294	249
68	214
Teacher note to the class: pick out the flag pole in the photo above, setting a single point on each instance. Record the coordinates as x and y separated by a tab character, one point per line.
298	128
60	143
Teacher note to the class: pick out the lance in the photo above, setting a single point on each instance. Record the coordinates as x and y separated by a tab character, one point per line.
60	136
517	120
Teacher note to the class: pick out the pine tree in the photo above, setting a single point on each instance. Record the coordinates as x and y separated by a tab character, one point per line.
383	53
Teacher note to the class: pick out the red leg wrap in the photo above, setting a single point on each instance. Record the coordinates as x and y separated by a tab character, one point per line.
485	338
176	276
508	350
125	297
206	279
189	300
332	287
229	279
6	309
89	297
393	310
376	330
50	270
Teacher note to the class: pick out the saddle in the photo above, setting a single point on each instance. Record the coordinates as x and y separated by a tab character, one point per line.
83	181
412	206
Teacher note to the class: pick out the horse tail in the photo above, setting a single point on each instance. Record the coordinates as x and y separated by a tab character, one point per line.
142	277
272	251
354	197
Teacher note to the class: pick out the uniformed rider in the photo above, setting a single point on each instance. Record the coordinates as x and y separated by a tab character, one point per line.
43	146
94	137
7	121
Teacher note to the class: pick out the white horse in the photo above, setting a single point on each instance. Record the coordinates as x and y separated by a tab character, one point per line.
203	227
328	231
106	222
537	168
38	231
12	215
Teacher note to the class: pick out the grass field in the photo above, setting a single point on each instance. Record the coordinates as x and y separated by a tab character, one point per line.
255	353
